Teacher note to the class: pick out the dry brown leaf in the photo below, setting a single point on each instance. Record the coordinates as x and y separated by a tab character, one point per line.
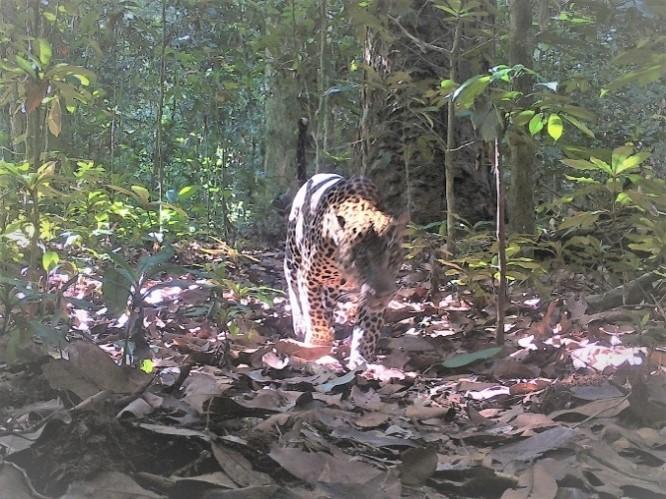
109	485
535	446
201	386
238	468
90	370
529	387
299	349
372	420
606	408
421	412
14	484
418	464
534	483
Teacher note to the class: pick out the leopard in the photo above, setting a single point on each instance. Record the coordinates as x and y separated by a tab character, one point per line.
342	242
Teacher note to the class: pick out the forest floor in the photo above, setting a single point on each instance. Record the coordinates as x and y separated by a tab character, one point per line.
572	406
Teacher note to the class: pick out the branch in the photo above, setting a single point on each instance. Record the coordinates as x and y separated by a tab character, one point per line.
420	43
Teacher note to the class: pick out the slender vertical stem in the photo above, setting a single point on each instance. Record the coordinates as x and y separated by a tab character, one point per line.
449	153
158	166
501	245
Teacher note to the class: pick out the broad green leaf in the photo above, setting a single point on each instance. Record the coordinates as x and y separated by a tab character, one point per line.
187	192
602	165
147	366
580	164
536	124
523	117
54	118
141	193
446	9
619	154
83	79
623	161
115	290
147	263
641	76
466	94
467	358
579	124
26	66
45	51
623	198
46	171
555	127
584	219
447	86
580	180
60	71
49	260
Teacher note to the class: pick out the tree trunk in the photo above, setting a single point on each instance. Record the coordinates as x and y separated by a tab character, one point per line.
282	112
521	146
405	57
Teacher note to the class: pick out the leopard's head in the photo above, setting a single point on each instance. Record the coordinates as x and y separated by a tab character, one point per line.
371	257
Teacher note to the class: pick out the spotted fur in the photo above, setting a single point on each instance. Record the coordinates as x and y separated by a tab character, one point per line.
340	240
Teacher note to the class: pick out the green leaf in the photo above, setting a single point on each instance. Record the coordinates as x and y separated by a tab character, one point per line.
115	290
523	117
49	260
147	366
141	193
45	51
555	127
632	162
622	159
147	263
583	220
624	199
468	358
26	66
536	124
187	192
447	86
602	165
466	94
580	180
580	164
580	125
446	9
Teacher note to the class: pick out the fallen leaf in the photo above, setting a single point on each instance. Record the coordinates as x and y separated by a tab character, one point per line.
535	446
238	468
90	370
109	485
418	464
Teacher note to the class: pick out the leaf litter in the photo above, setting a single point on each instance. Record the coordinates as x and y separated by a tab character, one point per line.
571	406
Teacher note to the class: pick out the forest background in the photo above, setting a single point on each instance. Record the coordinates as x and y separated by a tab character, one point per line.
152	146
129	121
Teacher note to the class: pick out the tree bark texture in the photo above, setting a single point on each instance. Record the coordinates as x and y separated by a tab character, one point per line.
402	62
282	112
521	146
